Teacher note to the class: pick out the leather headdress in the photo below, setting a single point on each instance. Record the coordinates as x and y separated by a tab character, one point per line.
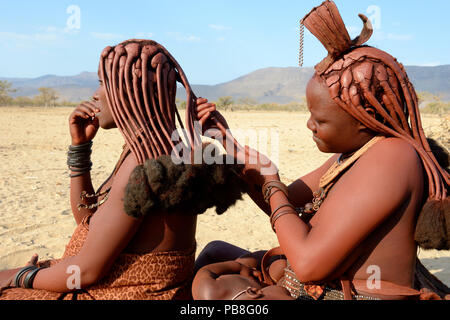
327	25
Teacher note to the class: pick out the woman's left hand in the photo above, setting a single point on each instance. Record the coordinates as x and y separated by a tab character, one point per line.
257	167
209	118
7	276
33	261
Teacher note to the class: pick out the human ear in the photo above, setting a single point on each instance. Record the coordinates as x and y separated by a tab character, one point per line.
371	112
374	114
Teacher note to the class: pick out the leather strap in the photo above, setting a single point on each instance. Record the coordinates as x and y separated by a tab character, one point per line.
346	289
386	290
267	279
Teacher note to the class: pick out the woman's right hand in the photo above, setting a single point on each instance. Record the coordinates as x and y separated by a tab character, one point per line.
209	117
83	124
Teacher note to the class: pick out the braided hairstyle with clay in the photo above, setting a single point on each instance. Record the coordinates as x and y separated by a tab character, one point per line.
373	87
140	78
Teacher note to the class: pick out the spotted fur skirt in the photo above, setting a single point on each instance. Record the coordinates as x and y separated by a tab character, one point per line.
152	276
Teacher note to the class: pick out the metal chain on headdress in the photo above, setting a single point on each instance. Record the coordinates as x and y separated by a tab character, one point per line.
300	53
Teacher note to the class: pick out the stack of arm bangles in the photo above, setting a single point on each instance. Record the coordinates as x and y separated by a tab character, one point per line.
79	159
25	277
269	189
276	214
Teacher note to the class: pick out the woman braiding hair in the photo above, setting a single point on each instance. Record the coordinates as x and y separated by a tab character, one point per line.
373	87
361	215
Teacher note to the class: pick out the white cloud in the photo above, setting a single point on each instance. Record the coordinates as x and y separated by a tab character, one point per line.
5	35
46	37
58	31
381	36
183	38
192	38
106	36
219	27
428	64
47	34
29	37
144	35
399	37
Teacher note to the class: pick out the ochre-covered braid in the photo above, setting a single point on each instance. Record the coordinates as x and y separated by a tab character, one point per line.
140	77
369	79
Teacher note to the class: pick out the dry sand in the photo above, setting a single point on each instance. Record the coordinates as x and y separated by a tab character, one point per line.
35	215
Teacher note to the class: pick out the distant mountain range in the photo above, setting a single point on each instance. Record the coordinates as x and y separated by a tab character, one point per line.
277	85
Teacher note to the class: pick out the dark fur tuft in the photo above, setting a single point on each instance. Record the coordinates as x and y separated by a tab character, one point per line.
433	225
439	152
160	184
138	197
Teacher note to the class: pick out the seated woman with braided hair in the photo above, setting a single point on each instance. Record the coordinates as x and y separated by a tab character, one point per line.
136	236
350	229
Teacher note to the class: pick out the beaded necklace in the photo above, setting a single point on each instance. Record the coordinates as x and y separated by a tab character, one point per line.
330	178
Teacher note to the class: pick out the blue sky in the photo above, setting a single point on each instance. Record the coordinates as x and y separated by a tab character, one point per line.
214	41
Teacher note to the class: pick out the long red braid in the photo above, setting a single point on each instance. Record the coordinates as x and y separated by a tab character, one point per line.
140	77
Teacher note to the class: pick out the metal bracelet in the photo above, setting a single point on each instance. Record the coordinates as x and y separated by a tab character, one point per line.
82	169
29	278
84	146
79	158
21	273
281	206
279	215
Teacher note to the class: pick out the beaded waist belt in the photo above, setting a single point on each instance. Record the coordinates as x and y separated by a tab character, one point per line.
300	291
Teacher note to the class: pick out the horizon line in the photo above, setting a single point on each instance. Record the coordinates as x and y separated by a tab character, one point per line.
290	67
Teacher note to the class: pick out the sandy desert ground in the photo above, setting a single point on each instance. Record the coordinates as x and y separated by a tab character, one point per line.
35	215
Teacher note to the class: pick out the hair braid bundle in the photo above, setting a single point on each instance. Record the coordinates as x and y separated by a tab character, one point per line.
140	77
370	79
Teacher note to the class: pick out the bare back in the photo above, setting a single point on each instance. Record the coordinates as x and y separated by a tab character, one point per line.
161	232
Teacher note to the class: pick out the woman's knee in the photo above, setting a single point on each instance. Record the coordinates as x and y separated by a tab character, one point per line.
218	251
215	245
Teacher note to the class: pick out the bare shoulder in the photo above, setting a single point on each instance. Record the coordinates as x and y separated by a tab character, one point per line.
126	168
113	209
394	154
396	147
393	161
